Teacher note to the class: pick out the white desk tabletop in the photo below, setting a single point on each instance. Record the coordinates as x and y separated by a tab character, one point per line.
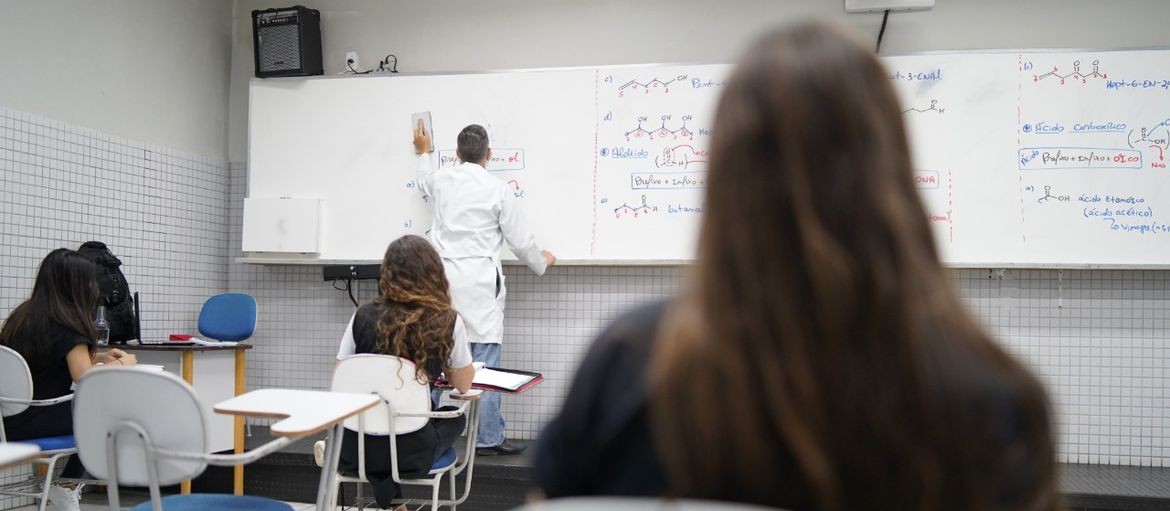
304	411
12	453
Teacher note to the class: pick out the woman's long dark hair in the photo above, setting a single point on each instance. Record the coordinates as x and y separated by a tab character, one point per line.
819	325
415	318
65	292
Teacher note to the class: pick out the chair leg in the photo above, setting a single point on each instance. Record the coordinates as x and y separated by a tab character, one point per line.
435	494
337	493
47	483
453	500
361	502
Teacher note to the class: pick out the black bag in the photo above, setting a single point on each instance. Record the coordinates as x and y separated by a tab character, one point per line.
115	292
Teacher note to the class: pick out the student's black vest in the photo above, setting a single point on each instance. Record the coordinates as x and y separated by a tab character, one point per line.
365	338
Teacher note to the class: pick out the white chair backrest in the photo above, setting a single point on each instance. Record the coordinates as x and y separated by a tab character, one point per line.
393	379
160	403
15	381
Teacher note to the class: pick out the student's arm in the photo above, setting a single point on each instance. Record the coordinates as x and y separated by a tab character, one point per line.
519	236
347	347
460	371
79	360
424	148
111	356
461	378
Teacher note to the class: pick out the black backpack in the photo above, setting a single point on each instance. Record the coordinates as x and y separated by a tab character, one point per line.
115	292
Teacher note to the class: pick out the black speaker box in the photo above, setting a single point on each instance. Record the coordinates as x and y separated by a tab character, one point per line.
287	42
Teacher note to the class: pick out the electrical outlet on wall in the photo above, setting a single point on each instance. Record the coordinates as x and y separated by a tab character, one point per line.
351	61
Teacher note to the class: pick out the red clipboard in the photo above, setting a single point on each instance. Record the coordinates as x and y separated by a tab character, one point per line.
536	379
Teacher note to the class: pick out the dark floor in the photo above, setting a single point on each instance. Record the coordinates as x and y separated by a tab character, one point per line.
503	482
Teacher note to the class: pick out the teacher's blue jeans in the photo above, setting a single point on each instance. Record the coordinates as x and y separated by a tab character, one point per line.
491	422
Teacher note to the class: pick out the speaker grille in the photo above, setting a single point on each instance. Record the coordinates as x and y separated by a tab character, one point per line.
279	48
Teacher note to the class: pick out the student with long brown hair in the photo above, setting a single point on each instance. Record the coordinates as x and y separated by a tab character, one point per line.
817	357
411	318
53	331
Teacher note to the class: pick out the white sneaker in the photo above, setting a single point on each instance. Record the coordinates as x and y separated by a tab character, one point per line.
65	499
319	452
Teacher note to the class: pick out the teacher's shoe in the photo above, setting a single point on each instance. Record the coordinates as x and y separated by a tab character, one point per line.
505	449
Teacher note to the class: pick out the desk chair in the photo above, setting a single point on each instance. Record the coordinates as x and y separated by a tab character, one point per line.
406	407
228	317
16	395
123	439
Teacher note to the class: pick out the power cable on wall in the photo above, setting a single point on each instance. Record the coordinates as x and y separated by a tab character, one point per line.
882	32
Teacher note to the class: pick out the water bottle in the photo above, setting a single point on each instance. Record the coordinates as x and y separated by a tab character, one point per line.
102	326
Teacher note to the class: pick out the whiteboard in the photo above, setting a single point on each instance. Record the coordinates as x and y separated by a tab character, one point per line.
1037	158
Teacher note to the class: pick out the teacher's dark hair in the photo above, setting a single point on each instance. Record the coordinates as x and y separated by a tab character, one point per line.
818	323
472	144
65	292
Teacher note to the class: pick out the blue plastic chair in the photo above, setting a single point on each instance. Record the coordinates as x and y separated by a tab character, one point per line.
228	317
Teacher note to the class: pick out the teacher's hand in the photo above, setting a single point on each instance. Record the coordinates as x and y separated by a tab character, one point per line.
549	258
422	141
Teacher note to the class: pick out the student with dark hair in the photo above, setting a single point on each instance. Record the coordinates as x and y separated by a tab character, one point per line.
53	330
817	357
411	318
475	215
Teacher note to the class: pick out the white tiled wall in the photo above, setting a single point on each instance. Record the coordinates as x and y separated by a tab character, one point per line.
162	212
1098	339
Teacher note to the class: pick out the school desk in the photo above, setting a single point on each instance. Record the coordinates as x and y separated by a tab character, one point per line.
216	373
302	413
13	453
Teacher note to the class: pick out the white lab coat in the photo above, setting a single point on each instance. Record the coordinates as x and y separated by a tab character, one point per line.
475	214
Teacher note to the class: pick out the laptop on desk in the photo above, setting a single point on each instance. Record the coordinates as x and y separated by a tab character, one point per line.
152	341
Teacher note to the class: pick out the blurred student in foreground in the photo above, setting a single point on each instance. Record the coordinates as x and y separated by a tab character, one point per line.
817	357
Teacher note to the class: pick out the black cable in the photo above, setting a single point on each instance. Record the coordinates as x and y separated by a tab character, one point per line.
386	60
349	289
355	71
882	32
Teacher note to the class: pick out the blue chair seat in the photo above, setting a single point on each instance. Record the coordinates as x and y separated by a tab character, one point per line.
53	443
444	461
216	502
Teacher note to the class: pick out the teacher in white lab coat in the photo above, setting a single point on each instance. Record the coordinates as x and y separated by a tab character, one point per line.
475	214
